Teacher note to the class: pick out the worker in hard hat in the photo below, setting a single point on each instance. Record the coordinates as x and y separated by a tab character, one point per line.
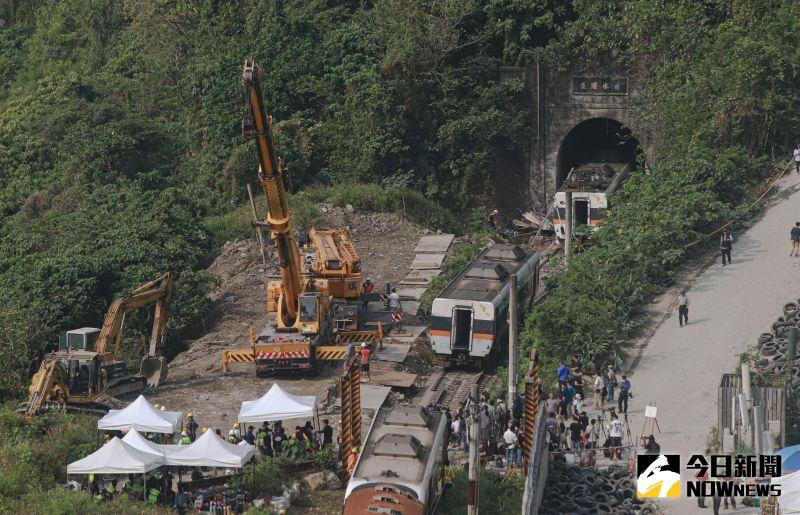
363	360
493	220
237	432
185	440
191	426
157	406
367	289
231	436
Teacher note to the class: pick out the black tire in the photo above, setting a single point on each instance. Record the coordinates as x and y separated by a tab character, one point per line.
765	337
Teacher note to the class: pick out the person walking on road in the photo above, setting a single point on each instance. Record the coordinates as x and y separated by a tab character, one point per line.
683	308
795	240
725	246
797	158
624	393
599	391
611	383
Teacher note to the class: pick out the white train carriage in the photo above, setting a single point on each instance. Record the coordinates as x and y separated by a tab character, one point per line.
400	468
591	185
470	318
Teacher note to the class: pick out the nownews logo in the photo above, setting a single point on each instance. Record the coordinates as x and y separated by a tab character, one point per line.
659	476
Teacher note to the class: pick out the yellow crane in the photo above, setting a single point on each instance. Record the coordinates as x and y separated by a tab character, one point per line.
303	302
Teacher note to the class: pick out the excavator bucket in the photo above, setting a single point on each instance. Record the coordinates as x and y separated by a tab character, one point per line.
154	368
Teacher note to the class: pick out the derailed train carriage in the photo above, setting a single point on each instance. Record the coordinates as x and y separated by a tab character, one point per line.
400	470
469	320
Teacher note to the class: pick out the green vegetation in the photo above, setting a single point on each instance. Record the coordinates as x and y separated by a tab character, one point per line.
498	493
720	84
33	460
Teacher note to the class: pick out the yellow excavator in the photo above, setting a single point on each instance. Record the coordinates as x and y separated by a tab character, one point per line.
85	370
305	301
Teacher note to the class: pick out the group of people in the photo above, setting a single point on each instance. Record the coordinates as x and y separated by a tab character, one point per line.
568	427
499	427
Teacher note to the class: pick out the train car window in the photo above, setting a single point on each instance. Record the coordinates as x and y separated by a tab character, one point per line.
390	500
581	212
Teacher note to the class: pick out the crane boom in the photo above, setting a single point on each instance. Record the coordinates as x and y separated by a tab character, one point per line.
258	125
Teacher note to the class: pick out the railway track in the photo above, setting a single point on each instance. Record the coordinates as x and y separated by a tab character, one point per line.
450	388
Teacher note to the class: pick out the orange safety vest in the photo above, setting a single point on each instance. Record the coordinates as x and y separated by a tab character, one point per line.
364	356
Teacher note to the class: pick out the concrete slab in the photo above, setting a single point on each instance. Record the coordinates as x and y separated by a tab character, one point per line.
394	352
373	396
427	261
420	277
392	378
410	307
411	293
434	243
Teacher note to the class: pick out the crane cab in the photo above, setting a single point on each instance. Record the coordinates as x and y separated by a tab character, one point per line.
84	373
310	309
84	338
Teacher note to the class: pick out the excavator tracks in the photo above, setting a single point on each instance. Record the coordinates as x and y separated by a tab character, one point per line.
450	388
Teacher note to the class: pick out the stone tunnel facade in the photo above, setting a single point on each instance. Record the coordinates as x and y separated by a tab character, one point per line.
577	115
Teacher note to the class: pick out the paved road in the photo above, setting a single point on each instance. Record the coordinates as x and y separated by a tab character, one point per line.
730	306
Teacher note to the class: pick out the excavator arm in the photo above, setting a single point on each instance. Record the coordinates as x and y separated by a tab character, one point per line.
159	291
257	124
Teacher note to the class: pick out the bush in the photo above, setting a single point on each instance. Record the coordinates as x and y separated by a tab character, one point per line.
264	477
498	493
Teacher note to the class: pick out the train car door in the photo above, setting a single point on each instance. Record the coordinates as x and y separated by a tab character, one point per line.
581	212
461	336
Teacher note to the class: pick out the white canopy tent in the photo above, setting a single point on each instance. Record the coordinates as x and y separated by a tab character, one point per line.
789	499
116	457
210	451
137	441
277	404
142	416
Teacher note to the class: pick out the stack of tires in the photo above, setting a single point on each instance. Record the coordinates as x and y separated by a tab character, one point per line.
583	490
774	347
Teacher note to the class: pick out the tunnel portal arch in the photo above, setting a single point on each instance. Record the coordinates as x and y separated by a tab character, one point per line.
595	139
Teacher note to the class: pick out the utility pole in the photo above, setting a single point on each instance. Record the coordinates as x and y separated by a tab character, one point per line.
567	228
513	343
474	453
259	236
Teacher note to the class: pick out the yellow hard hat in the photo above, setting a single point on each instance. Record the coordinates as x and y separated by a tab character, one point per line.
495	211
189	414
157	406
204	429
236	426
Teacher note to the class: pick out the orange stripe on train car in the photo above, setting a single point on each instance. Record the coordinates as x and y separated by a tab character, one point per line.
482	336
439	332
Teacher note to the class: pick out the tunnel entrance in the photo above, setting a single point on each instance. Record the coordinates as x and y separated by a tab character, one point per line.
595	140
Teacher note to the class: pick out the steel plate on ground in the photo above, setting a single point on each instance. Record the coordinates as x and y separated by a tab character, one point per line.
427	261
392	378
434	243
394	352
